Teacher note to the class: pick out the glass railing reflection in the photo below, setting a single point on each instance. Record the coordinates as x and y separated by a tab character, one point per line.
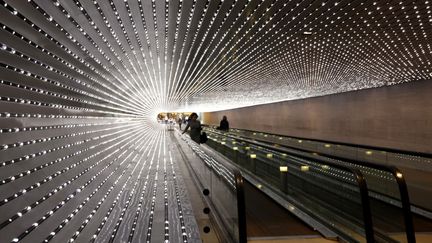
312	178
223	186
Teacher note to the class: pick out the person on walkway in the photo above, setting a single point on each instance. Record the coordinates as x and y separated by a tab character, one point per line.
195	127
180	121
224	124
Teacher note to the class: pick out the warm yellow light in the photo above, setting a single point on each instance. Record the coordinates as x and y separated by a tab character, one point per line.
265	135
325	167
254	133
283	168
259	186
399	175
235	148
327	145
247	148
280	138
234	142
253	156
222	142
304	168
368	152
269	155
300	141
284	155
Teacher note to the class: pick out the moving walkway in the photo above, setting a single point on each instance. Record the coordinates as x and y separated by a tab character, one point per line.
343	198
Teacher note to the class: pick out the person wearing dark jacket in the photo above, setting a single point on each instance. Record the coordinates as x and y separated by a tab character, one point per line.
224	124
195	127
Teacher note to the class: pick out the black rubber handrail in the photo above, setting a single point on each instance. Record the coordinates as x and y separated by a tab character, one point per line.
361	182
403	189
241	207
392	150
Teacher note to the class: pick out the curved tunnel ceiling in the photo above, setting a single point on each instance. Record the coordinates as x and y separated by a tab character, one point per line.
80	79
141	56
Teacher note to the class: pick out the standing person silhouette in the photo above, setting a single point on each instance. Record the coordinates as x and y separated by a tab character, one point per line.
180	121
224	124
195	127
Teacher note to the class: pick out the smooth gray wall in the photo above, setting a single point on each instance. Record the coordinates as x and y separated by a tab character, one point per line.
397	117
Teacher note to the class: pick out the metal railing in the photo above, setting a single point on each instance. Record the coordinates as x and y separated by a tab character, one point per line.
403	192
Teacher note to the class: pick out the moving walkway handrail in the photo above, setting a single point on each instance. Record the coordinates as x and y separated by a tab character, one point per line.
241	206
241	202
385	149
403	189
361	182
397	174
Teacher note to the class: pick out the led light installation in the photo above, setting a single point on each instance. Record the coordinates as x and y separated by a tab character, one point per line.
144	56
81	82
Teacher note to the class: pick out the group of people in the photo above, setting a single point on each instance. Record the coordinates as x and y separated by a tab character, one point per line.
195	127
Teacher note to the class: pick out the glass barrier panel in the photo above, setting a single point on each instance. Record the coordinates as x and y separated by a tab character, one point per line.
220	181
326	192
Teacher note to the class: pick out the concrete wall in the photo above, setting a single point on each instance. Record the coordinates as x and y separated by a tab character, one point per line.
397	117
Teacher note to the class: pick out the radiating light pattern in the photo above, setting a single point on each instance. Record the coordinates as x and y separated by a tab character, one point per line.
139	57
81	82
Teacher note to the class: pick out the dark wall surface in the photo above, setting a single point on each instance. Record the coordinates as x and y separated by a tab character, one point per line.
397	117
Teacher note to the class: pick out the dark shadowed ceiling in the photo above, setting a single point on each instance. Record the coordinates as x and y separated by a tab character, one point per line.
142	56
